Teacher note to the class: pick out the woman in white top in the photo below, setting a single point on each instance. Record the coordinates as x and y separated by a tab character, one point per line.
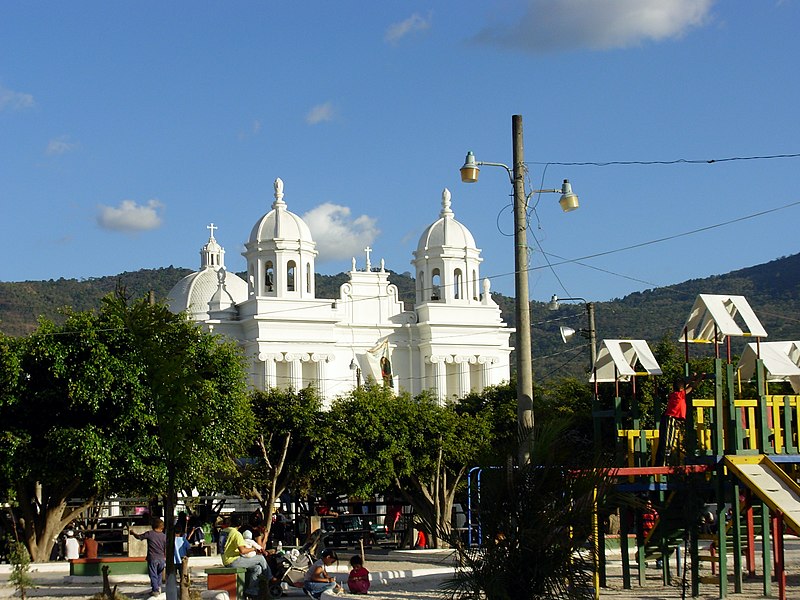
317	578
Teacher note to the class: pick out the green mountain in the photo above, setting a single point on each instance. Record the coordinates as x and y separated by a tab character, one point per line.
772	289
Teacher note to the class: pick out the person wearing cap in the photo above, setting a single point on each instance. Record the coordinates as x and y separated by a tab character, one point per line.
72	547
317	579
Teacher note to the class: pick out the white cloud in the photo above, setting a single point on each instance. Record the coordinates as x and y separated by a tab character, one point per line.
320	113
413	24
555	25
129	216
338	235
11	100
255	129
60	145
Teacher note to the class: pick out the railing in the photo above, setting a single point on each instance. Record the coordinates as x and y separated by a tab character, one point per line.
782	424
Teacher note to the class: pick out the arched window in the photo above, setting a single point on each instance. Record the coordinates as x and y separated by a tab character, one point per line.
421	286
457	283
290	272
269	276
435	282
475	293
308	278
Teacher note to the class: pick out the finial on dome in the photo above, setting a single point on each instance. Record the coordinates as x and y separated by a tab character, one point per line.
278	185
446	211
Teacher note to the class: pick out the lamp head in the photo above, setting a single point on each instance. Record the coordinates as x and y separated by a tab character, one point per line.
470	170
568	200
353	365
553	304
566	333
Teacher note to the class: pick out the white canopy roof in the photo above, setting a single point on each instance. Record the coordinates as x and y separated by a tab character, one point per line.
781	361
712	310
617	360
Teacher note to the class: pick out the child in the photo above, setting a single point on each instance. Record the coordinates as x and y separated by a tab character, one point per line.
251	543
156	553
181	549
358	580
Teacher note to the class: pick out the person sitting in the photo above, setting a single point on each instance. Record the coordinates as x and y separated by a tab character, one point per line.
90	545
317	579
358	579
251	543
236	555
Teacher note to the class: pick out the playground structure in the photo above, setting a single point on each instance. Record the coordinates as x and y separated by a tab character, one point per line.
737	456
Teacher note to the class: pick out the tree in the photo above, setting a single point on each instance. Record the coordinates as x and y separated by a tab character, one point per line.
20	576
117	401
375	442
195	398
287	429
66	423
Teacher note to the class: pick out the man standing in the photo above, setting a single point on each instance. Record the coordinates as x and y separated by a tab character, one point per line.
235	548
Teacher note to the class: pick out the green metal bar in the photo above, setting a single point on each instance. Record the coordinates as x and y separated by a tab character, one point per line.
719	410
735	422
722	533
625	551
763	422
737	540
766	550
788	427
694	554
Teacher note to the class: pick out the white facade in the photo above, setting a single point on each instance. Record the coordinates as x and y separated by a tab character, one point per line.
452	342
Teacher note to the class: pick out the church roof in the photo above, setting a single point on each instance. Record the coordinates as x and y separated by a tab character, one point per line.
445	232
280	223
193	292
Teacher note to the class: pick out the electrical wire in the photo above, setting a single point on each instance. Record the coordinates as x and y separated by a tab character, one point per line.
677	161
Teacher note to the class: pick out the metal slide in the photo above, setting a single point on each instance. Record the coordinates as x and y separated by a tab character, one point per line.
770	483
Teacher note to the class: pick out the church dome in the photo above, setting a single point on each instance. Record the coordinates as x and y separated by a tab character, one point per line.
280	223
195	291
445	232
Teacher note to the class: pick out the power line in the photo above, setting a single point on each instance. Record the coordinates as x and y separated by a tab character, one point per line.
688	161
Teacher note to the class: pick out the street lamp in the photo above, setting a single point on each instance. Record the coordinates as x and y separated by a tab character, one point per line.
568	202
568	332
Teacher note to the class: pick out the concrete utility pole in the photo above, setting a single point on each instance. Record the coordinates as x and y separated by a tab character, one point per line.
568	202
522	306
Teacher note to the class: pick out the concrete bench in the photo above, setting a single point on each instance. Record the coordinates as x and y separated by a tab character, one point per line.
117	565
227	579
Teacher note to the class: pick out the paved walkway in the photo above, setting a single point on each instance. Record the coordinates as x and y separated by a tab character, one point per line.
397	574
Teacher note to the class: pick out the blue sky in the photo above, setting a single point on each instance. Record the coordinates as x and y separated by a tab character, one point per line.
127	127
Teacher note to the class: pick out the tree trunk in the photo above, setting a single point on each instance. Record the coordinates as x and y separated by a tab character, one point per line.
169	522
44	518
185	581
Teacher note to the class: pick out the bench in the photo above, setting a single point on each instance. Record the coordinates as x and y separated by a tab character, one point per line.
227	579
117	565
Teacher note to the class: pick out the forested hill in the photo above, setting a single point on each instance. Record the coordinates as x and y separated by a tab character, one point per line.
21	303
772	289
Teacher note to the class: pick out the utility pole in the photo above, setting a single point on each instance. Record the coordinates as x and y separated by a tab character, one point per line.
522	306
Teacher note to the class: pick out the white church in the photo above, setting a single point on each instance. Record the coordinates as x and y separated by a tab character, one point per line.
452	341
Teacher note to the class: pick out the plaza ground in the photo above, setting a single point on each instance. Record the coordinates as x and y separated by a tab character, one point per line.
409	574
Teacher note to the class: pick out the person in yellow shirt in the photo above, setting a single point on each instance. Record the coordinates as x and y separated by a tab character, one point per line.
234	556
